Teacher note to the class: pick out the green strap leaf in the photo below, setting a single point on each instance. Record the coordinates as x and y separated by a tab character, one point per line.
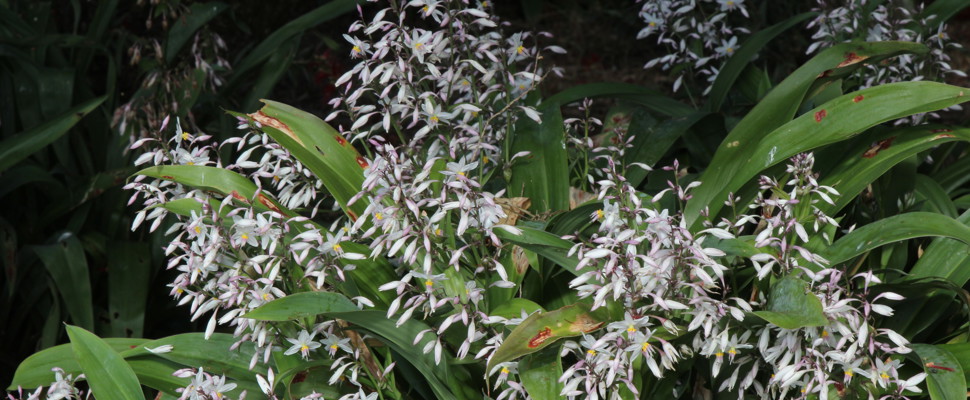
320	148
894	229
776	109
539	373
107	372
67	264
864	159
946	383
21	146
543	175
542	329
35	371
302	305
791	305
220	180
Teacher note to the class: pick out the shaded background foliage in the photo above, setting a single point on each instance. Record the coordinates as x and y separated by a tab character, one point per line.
67	252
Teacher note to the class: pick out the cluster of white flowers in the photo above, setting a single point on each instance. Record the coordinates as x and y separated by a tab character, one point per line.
672	287
888	20
451	95
63	388
696	34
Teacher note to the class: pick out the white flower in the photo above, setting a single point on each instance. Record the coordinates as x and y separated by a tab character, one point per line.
303	344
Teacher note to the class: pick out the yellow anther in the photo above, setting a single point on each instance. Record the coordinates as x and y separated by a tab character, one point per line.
644	346
198	229
429	283
356	49
185	136
505	371
244	236
849	373
719	354
336	247
190	163
884	375
434	118
265	296
599	214
520	49
304	348
379	216
333	347
591	352
631	328
733	351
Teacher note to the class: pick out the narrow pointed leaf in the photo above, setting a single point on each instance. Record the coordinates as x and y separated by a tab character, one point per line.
943	384
20	146
543	329
320	148
106	371
894	229
302	305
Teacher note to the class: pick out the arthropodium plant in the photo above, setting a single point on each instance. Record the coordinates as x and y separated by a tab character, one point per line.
427	246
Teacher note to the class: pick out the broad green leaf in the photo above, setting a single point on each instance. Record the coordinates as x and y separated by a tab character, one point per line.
776	109
791	305
20	146
539	373
68	267
894	229
543	329
835	121
961	351
184	27
320	148
543	175
867	157
213	354
652	99
740	246
514	308
107	373
223	181
733	67
945	258
543	243
36	371
301	305
942	384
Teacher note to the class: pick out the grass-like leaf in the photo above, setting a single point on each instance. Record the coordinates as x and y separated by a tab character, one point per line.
107	373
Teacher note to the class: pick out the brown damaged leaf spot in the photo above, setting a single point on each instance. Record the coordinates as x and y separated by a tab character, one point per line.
239	197
352	215
585	324
943	135
340	140
269	204
362	162
169	177
266	120
540	337
878	146
819	115
858	98
851	58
